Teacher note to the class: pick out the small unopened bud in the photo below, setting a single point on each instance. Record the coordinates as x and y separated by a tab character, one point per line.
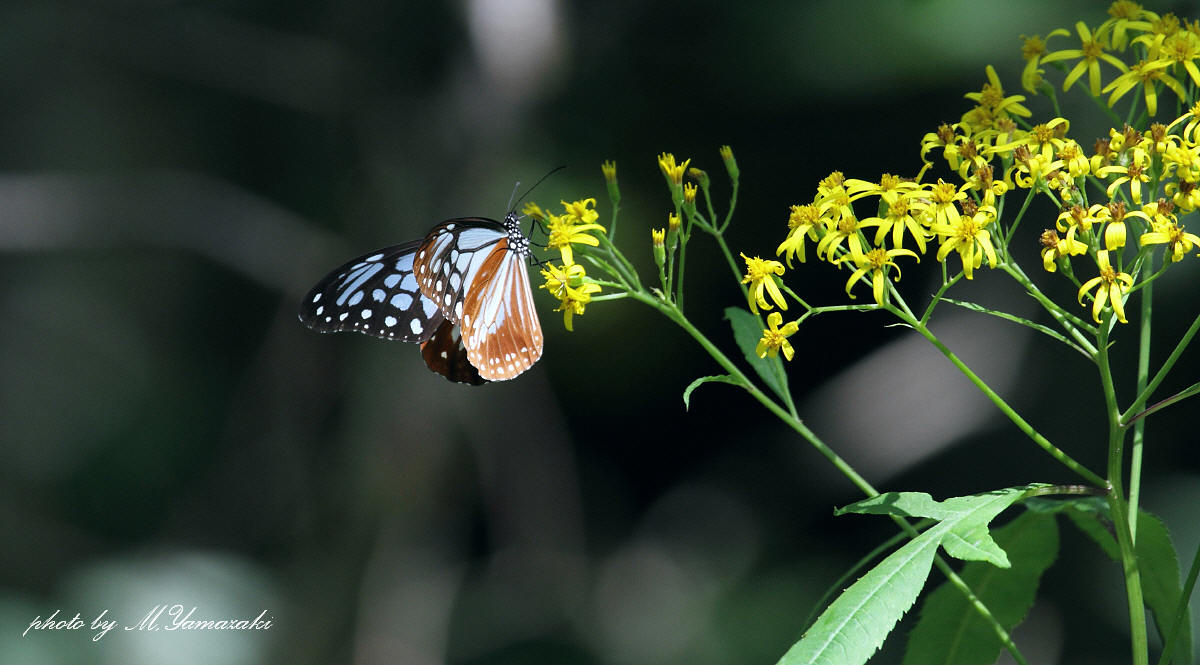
659	239
730	163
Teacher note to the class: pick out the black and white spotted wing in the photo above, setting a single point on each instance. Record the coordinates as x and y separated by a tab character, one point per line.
377	294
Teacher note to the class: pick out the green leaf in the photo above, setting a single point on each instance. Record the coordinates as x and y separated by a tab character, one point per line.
1160	580
975	544
1157	563
747	330
854	626
949	630
1020	320
850	630
687	392
968	539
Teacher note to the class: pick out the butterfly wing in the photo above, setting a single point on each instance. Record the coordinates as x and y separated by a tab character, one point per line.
500	326
377	294
449	258
445	354
462	292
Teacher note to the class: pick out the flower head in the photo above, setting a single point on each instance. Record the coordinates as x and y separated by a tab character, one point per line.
760	275
1055	248
876	262
672	171
968	235
1110	288
802	223
774	338
1090	52
574	226
1168	232
580	212
569	284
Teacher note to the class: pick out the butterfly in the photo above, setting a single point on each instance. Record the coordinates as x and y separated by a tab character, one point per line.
462	292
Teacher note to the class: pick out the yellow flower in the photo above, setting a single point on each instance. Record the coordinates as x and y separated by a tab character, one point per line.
876	262
1055	248
1078	219
945	138
1184	194
846	229
967	234
535	211
672	171
1110	288
609	169
937	203
992	99
774	338
1136	172
802	223
562	232
1149	73
1032	50
1072	158
760	275
1182	48
1090	53
1125	15
900	217
1171	234
568	284
580	212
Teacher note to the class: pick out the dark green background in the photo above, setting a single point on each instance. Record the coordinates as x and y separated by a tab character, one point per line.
175	175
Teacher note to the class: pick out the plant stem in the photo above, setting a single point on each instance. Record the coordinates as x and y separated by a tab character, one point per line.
1119	509
1003	406
840	464
1144	394
1139	428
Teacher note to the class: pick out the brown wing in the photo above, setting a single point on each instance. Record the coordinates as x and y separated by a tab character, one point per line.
444	354
501	331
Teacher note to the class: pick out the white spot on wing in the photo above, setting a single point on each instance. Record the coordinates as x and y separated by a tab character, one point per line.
415	324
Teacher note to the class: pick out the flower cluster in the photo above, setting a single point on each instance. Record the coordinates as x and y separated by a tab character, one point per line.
1132	185
568	281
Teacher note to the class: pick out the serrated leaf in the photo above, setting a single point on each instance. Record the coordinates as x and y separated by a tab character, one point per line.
723	378
949	631
1045	330
1160	580
854	626
968	540
975	544
1157	563
747	330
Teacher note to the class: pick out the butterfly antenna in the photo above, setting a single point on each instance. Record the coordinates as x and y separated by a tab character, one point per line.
540	180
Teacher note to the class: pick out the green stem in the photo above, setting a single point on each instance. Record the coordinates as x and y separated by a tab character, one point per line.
840	464
1139	428
1119	509
1003	406
1145	393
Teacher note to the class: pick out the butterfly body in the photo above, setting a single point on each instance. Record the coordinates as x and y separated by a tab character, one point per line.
462	292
